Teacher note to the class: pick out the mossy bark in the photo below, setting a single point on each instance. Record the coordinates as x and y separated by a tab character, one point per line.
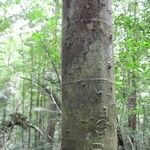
88	105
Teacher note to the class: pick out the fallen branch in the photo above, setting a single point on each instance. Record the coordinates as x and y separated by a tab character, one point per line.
18	119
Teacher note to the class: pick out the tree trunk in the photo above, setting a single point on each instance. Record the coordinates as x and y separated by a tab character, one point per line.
88	106
132	116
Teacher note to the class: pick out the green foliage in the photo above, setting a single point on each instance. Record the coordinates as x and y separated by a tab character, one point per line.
18	1
35	14
4	24
33	57
132	64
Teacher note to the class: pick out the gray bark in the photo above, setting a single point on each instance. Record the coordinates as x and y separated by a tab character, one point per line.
88	105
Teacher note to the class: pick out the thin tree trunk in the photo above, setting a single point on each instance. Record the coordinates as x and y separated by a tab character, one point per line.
37	114
31	100
132	116
88	106
23	99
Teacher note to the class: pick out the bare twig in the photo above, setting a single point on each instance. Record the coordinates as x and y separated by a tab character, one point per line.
131	143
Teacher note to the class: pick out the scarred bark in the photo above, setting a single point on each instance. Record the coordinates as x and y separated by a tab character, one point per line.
88	107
